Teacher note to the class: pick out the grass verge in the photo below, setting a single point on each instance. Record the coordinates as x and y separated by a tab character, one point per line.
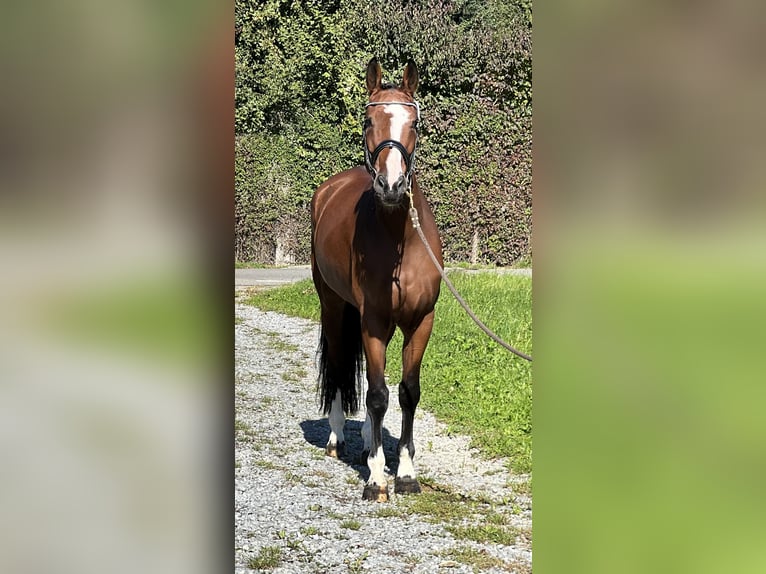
297	299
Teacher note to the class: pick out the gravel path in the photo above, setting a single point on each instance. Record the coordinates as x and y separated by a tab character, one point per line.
297	511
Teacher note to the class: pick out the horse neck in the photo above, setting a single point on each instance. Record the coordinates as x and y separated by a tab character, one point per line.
393	220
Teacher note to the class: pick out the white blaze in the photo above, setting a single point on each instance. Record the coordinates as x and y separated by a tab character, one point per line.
399	117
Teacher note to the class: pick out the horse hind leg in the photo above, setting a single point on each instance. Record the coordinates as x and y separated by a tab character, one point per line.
336	444
339	373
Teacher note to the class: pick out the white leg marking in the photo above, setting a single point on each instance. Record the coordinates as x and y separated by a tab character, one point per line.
337	420
367	432
406	468
376	464
399	116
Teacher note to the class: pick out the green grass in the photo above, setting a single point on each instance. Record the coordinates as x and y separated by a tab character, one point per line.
521	488
355	565
268	465
278	343
390	512
351	524
267	401
479	560
243	431
439	507
465	518
467	380
298	299
268	558
495	518
484	533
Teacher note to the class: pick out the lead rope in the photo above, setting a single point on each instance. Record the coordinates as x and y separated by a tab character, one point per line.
416	224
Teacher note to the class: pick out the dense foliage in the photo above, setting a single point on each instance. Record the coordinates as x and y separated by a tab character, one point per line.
299	104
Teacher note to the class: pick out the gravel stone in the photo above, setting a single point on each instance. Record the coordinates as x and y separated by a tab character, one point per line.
289	495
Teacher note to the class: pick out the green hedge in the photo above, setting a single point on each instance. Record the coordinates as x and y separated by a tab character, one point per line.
299	105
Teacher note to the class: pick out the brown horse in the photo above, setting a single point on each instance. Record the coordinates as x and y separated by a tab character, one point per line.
372	274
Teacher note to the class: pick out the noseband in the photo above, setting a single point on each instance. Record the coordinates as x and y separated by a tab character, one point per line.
370	157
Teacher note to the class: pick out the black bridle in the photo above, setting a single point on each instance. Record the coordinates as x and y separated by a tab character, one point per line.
370	157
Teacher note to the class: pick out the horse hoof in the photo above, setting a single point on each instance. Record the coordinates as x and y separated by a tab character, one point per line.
336	450
406	485
375	493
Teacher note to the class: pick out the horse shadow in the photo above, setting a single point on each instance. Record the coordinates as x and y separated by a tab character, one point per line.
317	432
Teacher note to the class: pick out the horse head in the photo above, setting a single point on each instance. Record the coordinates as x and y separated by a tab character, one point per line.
391	134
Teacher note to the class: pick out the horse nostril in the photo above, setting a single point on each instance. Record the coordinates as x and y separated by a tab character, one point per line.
401	185
381	183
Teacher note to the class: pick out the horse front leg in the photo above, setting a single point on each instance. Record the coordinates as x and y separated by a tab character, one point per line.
376	488
409	395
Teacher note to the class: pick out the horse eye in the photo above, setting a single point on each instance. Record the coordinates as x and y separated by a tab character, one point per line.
367	123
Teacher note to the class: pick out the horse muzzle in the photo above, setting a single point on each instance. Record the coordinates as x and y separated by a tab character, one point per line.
390	195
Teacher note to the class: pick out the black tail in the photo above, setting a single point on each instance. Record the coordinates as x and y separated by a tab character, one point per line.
346	374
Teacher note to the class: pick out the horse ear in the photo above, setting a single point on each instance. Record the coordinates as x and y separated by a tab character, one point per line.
373	75
410	78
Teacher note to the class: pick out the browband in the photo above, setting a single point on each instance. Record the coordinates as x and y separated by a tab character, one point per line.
412	104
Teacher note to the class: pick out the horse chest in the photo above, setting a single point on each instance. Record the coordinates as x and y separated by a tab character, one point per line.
401	296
